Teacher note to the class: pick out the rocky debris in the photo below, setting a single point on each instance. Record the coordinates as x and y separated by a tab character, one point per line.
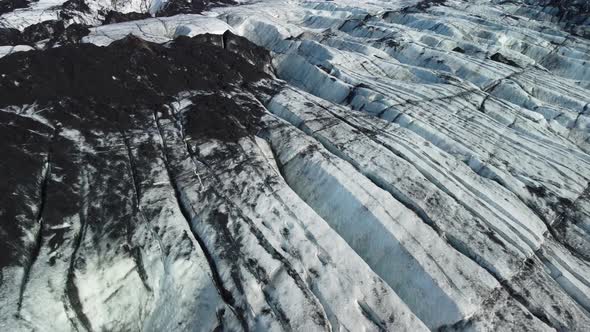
7	6
71	35
71	8
10	36
500	58
96	13
458	49
49	32
129	71
116	17
175	7
42	31
423	5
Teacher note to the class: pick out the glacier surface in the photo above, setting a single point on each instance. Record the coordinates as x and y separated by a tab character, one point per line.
295	165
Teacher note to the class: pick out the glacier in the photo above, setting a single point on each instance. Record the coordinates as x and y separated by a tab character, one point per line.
290	165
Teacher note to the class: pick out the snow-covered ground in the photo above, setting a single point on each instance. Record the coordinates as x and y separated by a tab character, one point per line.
347	166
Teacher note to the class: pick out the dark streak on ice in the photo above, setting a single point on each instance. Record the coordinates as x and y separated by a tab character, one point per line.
7	6
39	221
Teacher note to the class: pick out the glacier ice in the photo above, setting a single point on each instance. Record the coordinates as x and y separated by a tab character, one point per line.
295	165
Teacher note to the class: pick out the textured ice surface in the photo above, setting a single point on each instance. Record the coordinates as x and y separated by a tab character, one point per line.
346	166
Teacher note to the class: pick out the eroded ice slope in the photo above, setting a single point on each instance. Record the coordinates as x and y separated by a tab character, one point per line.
348	165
